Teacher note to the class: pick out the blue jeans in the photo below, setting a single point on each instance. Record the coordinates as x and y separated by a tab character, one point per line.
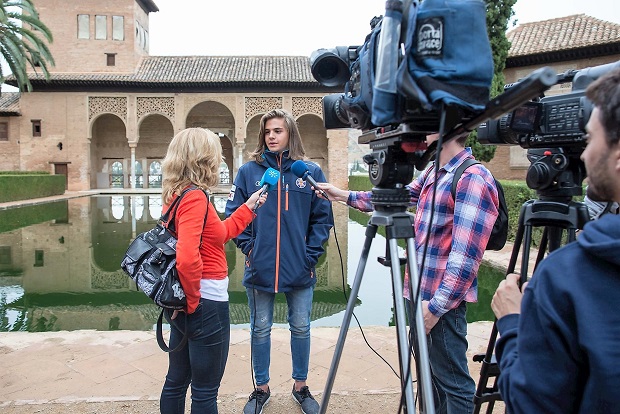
200	362
453	387
299	303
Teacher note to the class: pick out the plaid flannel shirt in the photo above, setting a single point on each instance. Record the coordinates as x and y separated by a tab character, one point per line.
459	231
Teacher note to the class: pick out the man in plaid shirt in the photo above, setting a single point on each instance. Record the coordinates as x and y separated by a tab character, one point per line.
459	231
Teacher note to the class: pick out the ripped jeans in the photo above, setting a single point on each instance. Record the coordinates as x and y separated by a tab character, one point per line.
261	319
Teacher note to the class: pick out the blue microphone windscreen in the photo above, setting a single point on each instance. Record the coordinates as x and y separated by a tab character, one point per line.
270	177
299	168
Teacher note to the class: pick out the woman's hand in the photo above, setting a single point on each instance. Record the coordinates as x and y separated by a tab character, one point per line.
256	199
334	193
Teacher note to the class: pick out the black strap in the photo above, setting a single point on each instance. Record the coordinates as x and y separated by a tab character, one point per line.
459	171
170	223
173	208
160	334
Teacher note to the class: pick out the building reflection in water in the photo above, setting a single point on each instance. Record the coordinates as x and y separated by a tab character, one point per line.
60	267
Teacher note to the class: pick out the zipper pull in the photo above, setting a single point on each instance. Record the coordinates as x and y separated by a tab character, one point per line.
286	200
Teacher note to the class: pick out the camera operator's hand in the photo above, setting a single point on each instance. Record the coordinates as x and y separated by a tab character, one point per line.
507	297
430	320
334	193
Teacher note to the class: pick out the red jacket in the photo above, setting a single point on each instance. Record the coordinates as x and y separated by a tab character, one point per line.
206	260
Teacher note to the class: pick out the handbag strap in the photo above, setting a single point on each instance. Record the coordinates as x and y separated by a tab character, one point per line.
160	334
172	208
175	205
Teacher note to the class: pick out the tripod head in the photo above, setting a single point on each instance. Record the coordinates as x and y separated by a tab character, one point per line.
390	168
556	173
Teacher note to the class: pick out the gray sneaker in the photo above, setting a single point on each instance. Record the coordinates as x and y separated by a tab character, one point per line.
306	401
258	399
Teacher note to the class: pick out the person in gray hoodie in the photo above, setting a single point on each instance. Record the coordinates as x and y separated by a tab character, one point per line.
558	351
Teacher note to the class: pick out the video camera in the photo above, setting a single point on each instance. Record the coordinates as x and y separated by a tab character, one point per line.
552	128
424	68
552	121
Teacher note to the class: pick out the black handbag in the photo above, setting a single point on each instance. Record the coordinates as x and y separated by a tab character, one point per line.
150	261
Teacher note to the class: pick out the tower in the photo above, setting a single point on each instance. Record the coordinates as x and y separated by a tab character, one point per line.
92	36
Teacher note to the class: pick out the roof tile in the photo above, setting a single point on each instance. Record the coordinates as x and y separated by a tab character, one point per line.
563	33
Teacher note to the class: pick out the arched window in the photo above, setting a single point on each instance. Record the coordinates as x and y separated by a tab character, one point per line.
224	174
139	177
155	175
116	178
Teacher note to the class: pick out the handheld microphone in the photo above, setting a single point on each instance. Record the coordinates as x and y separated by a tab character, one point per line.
300	169
269	179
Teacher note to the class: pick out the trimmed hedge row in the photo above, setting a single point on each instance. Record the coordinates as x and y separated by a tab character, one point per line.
27	186
515	192
24	172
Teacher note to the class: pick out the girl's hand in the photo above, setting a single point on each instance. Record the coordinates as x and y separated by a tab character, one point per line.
256	199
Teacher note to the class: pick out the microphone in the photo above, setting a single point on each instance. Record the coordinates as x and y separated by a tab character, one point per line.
300	169
269	179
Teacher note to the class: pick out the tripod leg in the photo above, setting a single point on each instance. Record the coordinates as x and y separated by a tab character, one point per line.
424	367
371	231
401	327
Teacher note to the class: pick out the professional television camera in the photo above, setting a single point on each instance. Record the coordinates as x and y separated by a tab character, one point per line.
424	68
552	128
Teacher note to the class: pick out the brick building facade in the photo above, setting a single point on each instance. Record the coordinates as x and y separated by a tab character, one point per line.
110	109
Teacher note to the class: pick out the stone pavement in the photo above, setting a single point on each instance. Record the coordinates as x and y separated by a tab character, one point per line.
97	366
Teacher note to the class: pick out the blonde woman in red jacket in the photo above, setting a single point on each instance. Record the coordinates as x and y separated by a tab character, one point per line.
193	159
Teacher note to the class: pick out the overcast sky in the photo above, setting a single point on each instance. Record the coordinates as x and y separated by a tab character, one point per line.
290	27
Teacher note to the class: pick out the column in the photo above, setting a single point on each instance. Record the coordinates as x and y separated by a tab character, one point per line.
132	177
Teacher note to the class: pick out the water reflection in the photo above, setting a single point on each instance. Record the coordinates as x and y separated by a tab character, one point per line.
59	269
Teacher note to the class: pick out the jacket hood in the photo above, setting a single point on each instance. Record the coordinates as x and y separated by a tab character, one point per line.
601	238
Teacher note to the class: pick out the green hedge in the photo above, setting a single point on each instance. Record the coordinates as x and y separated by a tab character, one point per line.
27	186
24	172
516	193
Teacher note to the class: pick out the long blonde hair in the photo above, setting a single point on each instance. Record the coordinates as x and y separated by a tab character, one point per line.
295	146
193	157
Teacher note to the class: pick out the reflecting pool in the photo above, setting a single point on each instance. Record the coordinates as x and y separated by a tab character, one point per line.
59	269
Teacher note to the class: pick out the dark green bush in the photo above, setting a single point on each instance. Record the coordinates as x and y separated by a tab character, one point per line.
359	183
24	172
27	186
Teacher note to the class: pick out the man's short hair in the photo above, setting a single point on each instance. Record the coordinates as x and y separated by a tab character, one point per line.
605	95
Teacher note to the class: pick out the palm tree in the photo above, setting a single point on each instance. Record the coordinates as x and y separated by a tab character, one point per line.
23	40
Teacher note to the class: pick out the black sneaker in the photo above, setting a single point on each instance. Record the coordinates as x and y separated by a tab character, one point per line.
305	400
258	399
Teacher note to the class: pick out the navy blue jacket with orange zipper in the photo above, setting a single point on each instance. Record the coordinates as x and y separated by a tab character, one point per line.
284	242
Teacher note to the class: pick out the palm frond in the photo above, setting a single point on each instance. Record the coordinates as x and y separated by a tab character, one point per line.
24	40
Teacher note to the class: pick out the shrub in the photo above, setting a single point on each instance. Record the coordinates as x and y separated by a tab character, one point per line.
27	186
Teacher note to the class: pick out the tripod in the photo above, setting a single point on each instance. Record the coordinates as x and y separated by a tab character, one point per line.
399	225
554	216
